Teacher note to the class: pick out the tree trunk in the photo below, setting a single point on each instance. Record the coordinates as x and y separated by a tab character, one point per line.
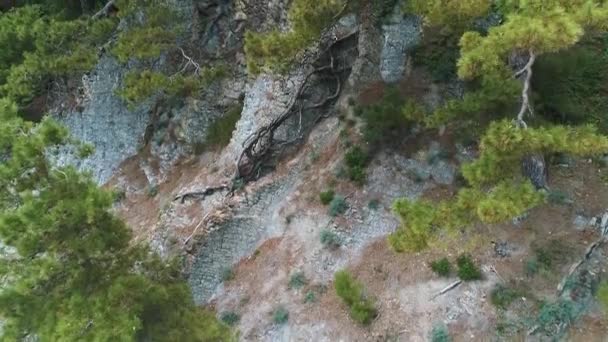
535	169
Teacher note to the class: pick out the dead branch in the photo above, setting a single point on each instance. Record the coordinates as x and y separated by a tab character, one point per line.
200	194
189	62
448	288
109	7
525	103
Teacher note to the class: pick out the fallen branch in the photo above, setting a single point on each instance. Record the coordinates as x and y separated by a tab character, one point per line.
448	288
109	7
196	229
200	194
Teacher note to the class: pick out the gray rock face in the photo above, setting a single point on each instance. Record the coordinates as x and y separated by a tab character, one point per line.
105	122
237	238
400	34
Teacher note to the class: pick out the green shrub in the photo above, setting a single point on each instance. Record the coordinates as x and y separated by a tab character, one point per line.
373	204
280	315
558	197
362	309
220	131
326	196
553	316
502	296
388	120
438	53
227	274
602	295
310	297
230	318
337	206
152	190
570	84
330	239
297	280
356	161
531	267
467	270
276	50
440	333
442	267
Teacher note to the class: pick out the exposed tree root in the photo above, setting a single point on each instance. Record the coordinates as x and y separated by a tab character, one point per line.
261	145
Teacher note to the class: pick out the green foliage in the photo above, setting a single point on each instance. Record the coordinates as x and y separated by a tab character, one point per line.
220	131
385	121
602	295
362	309
75	262
442	267
448	12
558	197
438	54
373	204
330	239
146	39
502	296
440	333
310	297
276	50
152	190
141	85
280	315
553	316
326	196
569	84
38	48
467	270
230	318
356	161
297	280
337	206
227	274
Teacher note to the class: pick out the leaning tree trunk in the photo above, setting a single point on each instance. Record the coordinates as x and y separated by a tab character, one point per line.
534	168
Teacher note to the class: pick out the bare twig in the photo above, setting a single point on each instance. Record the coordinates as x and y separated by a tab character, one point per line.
190	61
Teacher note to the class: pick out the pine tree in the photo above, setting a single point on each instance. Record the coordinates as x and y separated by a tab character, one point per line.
72	274
497	191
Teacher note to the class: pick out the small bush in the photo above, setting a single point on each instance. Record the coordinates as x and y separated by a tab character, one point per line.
467	270
602	295
356	161
442	267
310	297
558	197
373	204
440	333
362	309
531	267
337	206
297	280
280	315
227	274
220	131
326	196
502	296
330	239
384	121
152	190
230	318
553	316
